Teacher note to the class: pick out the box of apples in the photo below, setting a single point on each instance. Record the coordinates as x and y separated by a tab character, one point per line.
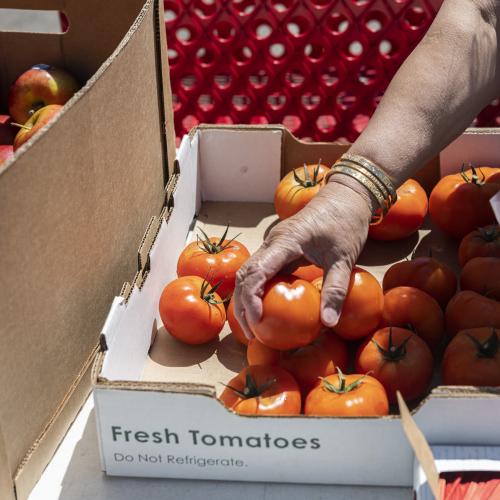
181	392
88	172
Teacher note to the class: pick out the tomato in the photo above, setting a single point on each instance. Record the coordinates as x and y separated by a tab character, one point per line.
191	310
297	189
405	216
412	308
470	310
319	359
262	390
399	360
260	354
483	242
425	273
362	309
290	313
236	330
482	275
347	396
214	259
305	270
459	203
472	358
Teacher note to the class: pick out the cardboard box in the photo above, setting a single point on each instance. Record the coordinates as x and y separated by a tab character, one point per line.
156	406
73	207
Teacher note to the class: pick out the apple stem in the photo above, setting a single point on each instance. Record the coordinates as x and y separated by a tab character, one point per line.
20	126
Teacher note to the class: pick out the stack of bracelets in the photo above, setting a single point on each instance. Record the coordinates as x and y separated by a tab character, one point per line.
372	177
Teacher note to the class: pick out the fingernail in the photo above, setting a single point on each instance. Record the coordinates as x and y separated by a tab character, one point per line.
330	316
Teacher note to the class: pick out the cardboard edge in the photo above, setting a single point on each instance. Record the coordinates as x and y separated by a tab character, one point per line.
7	490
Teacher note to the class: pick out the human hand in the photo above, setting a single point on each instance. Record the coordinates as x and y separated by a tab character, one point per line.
329	232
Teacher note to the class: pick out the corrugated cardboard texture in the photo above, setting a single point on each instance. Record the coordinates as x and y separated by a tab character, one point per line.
74	205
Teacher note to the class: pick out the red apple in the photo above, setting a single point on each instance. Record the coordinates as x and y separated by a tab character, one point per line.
7	131
40	86
6	152
35	123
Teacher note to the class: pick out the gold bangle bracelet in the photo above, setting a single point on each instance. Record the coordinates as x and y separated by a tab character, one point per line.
375	170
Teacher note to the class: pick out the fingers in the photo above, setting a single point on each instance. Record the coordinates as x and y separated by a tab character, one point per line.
252	277
333	292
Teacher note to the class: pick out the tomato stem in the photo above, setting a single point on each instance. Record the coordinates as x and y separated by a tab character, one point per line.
210	295
488	234
393	352
213	248
474	178
342	388
307	181
489	348
251	389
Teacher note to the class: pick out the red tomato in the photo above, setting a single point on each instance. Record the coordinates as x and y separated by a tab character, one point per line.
411	308
191	310
214	259
482	275
459	203
297	189
362	309
260	354
347	396
236	329
483	242
405	216
262	390
306	271
468	309
472	358
290	314
425	273
399	360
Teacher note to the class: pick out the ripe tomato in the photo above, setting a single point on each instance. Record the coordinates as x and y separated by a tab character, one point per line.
405	216
297	189
425	273
290	313
459	203
191	310
306	271
399	360
470	310
347	396
319	359
236	329
214	259
262	390
260	354
472	358
409	307
483	242
362	309
482	275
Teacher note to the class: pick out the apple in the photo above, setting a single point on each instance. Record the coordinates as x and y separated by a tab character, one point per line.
35	123
38	87
7	131
6	152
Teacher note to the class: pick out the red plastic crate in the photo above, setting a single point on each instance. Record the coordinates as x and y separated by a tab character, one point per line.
317	66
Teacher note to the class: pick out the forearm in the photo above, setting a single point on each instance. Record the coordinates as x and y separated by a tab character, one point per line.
451	75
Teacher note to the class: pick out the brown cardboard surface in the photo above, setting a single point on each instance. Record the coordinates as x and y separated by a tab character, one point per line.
6	487
73	208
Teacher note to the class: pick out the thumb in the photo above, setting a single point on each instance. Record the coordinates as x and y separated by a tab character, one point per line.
333	292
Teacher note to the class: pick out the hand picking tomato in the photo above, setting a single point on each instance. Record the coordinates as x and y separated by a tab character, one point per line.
347	396
260	354
482	275
297	189
399	360
319	359
459	203
411	308
236	330
469	309
191	310
405	216
483	242
306	271
262	390
473	358
290	314
215	259
362	309
425	273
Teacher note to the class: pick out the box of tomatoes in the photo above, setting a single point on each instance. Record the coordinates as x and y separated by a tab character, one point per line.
180	392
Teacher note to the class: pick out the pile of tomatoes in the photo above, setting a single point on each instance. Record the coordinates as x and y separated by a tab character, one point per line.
389	337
